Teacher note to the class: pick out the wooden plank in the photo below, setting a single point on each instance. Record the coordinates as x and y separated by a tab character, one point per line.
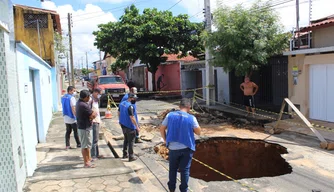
307	122
280	115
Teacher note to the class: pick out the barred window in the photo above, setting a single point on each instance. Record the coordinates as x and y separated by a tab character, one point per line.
30	20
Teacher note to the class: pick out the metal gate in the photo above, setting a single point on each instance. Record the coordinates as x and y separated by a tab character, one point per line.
272	80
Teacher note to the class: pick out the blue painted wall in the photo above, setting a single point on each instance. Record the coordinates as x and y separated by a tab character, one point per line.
54	88
36	98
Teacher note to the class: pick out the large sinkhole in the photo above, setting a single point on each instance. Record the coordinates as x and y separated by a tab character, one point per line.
237	158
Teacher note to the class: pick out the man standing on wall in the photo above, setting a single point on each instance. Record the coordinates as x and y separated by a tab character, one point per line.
180	141
85	116
133	90
248	88
68	104
129	124
94	105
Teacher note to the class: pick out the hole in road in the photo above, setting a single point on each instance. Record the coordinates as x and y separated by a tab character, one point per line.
237	158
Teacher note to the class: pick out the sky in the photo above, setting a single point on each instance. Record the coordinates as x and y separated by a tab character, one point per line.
87	14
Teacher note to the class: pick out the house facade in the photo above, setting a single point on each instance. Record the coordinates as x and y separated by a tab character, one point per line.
12	157
171	71
36	28
35	93
311	72
193	76
25	108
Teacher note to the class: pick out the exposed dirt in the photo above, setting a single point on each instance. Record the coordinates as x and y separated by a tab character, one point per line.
238	158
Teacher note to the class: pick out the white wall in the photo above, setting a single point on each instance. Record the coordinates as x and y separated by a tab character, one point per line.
188	81
223	85
12	166
28	61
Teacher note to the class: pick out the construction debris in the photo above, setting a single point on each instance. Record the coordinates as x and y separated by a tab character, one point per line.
162	150
203	118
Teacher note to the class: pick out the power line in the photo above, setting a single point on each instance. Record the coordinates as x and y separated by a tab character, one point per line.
83	19
106	10
174	5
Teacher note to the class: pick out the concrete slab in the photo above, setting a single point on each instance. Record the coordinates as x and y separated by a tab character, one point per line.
57	163
104	167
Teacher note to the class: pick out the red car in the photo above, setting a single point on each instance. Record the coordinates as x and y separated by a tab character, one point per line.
112	84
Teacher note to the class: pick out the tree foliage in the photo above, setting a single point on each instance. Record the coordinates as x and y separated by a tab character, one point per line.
59	42
246	37
84	71
148	36
119	64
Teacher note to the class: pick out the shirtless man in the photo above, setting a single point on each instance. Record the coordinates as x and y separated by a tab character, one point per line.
248	88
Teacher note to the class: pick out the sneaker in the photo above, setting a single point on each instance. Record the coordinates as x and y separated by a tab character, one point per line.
132	159
138	140
68	147
79	146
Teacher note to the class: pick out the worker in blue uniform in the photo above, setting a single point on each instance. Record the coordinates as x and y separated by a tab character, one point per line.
180	139
129	125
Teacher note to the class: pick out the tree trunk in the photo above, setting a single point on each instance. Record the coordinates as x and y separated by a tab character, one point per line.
153	81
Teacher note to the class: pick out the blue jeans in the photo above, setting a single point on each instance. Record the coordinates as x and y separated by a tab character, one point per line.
95	146
179	159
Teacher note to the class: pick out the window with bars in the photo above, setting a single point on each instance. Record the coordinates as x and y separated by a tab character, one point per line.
30	20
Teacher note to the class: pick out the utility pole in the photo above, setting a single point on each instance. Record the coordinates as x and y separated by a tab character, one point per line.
297	23
309	21
100	60
39	38
68	67
86	61
209	69
69	18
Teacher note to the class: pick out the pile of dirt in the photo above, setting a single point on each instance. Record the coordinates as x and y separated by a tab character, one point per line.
162	150
148	127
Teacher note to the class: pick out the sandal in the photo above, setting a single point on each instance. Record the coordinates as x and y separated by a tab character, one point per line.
90	166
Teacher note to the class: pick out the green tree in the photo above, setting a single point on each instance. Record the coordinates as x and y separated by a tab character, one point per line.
119	64
148	36
84	71
245	37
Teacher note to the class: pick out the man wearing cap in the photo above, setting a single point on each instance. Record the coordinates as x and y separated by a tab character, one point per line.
180	141
133	90
128	122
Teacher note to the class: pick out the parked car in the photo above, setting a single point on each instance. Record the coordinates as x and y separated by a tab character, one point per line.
109	84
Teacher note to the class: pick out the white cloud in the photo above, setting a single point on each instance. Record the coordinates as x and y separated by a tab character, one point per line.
85	21
287	11
105	1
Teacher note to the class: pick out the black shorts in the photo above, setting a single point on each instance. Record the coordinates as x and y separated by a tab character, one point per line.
249	101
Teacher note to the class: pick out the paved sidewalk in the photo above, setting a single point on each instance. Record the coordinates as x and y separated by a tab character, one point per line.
61	170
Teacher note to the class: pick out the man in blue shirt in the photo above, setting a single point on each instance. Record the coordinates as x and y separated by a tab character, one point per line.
133	90
180	140
128	122
68	103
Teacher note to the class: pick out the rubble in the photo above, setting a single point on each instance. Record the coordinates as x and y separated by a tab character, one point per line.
162	150
202	118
